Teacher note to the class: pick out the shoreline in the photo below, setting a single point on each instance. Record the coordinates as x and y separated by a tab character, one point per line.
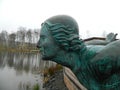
56	82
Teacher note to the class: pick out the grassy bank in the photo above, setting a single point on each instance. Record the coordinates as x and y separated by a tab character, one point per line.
48	72
16	49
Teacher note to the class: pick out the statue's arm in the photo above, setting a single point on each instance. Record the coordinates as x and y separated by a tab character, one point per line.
109	65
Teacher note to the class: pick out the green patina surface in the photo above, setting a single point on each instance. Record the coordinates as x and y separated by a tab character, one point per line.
96	67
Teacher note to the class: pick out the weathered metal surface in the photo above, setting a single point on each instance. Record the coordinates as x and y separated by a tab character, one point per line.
71	80
97	67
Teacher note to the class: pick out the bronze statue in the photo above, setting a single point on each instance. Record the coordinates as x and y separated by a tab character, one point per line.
97	67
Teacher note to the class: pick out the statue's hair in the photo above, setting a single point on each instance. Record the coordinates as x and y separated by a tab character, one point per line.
65	36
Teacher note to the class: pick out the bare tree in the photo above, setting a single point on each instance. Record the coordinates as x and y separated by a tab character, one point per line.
36	33
87	33
29	36
104	33
4	38
21	35
12	38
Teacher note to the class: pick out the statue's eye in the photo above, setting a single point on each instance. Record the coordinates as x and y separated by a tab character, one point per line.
42	38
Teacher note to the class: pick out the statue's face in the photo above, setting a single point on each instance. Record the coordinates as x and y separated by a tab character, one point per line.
48	48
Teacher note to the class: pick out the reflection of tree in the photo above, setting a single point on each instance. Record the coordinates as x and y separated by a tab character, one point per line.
26	62
23	62
24	86
2	60
10	59
20	61
28	86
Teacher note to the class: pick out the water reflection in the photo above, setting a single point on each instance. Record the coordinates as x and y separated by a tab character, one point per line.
19	71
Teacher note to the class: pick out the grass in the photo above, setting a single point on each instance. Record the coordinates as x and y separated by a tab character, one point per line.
36	87
18	50
51	71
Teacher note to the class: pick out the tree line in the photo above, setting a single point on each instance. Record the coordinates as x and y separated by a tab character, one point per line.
21	39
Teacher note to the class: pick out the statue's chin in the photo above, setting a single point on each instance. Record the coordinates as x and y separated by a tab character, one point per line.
46	58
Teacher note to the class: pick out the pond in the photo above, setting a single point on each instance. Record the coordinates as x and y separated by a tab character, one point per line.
20	71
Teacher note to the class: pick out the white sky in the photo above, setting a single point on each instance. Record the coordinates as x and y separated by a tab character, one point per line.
93	16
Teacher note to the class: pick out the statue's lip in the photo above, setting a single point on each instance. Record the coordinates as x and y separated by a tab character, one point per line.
41	49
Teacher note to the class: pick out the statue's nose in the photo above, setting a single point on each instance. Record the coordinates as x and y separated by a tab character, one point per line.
38	46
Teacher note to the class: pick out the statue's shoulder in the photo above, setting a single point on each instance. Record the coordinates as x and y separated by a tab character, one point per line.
109	52
91	51
99	50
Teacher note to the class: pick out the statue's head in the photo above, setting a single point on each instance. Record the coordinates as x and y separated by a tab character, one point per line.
58	33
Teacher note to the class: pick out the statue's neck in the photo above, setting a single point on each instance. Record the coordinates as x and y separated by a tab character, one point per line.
83	48
68	59
71	59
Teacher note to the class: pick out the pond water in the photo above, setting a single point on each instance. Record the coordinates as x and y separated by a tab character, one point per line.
20	71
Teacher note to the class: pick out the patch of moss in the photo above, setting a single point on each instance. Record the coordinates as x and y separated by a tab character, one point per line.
36	87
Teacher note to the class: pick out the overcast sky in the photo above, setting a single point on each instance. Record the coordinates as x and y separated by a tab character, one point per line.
93	16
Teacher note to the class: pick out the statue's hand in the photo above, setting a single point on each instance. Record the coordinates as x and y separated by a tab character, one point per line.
111	37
